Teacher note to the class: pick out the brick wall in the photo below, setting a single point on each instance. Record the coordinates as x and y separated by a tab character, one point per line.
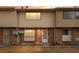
51	36
58	36
22	42
12	38
38	36
1	36
75	33
21	36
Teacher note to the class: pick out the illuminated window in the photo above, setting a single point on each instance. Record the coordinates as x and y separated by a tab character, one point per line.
32	15
29	35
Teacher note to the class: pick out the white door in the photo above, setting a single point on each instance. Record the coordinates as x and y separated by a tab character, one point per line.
45	36
5	36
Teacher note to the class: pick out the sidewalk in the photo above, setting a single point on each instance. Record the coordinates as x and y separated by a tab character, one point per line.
39	49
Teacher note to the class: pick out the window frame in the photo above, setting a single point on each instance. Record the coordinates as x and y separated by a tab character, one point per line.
66	18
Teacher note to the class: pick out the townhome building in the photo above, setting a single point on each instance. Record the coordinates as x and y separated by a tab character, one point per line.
39	26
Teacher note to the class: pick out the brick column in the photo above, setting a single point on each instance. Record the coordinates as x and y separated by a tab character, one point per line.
12	38
51	36
58	34
38	36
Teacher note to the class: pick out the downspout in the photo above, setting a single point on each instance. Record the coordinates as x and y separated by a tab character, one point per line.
55	27
17	29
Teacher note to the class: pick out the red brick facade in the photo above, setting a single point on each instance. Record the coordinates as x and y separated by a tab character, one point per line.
54	37
38	36
12	37
51	36
1	36
75	33
58	36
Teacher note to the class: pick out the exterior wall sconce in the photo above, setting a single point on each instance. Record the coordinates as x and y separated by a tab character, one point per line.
15	32
21	32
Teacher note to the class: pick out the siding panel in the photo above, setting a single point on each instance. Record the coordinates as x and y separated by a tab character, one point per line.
47	20
8	19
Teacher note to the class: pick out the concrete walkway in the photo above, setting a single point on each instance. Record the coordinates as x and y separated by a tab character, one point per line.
39	49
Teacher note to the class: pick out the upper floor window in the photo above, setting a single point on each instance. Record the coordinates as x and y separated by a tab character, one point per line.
71	15
32	15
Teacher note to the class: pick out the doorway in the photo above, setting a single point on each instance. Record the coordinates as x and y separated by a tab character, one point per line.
44	36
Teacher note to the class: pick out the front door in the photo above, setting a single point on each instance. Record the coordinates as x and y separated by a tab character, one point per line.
45	36
5	36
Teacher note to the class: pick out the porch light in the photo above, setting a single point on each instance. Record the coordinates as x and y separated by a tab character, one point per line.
15	32
21	32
